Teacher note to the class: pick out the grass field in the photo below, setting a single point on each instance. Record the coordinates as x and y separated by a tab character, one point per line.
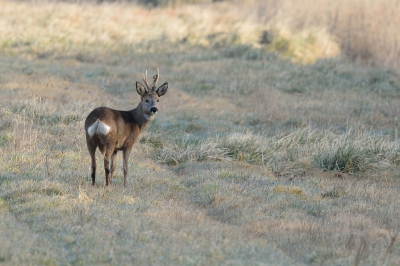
257	156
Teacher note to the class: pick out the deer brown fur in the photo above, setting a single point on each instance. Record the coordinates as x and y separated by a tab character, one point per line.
113	130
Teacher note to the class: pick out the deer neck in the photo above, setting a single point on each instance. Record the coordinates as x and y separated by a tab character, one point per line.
141	119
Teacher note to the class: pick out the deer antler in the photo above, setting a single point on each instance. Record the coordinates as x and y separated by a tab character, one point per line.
145	81
153	85
155	77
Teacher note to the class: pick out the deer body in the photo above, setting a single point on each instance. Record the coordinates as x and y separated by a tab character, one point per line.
113	130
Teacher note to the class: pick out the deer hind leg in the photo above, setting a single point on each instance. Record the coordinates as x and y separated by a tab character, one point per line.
93	156
107	158
92	151
113	165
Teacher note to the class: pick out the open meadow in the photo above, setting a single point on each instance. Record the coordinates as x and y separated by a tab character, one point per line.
276	143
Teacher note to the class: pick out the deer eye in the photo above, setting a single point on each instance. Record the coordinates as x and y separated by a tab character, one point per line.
158	101
147	101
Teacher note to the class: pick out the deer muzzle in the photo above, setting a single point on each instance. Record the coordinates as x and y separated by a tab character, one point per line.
153	110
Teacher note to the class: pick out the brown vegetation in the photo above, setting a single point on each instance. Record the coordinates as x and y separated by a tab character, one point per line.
365	30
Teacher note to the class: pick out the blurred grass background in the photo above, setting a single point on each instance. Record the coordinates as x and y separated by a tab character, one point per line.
361	30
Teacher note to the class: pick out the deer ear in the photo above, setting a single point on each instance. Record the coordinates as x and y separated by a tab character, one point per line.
162	89
141	89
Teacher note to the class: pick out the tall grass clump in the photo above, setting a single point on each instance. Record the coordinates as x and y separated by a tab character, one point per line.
344	158
245	146
352	153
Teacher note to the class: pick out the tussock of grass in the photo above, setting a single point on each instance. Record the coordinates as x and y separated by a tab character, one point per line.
354	153
343	158
244	146
289	190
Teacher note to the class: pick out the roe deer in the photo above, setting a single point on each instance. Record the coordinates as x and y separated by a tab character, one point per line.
112	130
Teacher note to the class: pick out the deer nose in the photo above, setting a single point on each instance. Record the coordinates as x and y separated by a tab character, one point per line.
153	110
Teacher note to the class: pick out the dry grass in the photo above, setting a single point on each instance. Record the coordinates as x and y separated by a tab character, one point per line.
362	30
55	29
251	160
366	30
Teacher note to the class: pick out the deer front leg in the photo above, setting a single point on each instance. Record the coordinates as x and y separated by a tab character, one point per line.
113	165
126	158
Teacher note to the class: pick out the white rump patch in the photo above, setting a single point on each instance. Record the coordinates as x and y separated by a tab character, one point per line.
99	128
93	128
103	128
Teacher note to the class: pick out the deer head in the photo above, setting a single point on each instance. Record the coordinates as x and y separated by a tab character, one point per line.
150	95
